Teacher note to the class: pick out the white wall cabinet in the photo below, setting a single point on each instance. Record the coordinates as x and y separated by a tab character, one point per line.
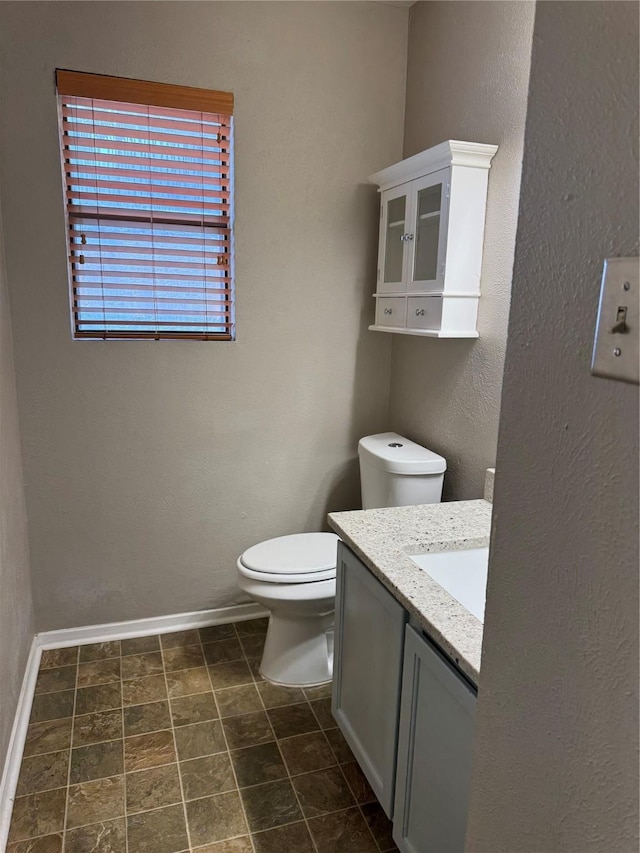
432	217
405	711
434	752
369	641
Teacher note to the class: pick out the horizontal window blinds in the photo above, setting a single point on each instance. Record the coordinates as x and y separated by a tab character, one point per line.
148	191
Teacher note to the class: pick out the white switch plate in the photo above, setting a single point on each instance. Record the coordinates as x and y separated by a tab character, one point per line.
616	352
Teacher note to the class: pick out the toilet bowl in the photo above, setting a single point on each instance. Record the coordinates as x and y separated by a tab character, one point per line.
295	578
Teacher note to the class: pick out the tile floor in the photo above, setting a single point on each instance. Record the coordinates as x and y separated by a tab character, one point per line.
175	743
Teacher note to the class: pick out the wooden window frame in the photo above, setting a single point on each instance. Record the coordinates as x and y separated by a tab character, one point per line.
139	93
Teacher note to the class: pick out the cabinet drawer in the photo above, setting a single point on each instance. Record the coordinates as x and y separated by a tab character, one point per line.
424	312
391	311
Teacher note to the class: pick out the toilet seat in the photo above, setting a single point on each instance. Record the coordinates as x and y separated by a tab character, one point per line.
299	558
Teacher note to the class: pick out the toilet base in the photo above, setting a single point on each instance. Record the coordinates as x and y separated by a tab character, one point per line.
298	650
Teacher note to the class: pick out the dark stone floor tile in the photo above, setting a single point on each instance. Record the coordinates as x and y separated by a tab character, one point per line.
238	700
357	781
252	627
223	651
100	651
106	837
94	802
200	739
151	750
215	818
103	697
203	777
216	632
193	709
340	747
270	805
292	720
52	706
160	831
50	736
247	730
179	638
54	680
306	753
322	709
137	666
46	844
342	832
141	719
139	645
274	696
153	789
183	657
231	674
96	762
257	764
380	826
94	728
284	839
37	814
98	672
138	691
188	681
322	691
322	792
253	646
59	657
43	772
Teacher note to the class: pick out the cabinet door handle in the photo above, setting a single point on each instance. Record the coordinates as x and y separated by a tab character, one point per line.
409	236
419	312
388	310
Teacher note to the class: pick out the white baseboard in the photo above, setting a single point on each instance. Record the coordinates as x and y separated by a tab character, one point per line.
82	636
16	741
153	625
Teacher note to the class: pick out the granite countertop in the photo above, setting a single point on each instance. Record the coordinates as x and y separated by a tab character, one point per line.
384	539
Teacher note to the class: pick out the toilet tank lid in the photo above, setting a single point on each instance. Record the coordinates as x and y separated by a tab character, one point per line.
398	455
299	553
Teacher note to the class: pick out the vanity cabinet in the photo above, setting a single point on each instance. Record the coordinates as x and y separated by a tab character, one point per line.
434	751
369	643
405	710
432	216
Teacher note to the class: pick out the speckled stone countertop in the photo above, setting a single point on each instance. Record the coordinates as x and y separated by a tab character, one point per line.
384	539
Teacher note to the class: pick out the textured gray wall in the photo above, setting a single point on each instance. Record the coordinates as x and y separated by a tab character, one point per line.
468	71
16	611
151	466
556	763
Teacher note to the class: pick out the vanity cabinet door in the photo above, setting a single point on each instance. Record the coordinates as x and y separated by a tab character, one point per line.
369	639
434	752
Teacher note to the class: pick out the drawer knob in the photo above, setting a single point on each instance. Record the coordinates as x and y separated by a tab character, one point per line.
419	312
388	310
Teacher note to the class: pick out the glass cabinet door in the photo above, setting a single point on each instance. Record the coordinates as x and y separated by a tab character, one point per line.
395	220
428	239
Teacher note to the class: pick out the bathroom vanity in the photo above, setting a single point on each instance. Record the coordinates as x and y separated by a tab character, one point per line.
407	661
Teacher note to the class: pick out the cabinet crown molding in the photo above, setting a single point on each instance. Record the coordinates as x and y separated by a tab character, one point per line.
452	152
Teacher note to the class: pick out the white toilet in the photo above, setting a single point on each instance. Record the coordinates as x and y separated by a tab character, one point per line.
295	576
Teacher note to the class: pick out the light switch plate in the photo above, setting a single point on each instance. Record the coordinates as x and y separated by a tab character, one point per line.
616	351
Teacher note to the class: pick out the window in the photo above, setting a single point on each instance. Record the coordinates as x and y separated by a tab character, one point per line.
148	180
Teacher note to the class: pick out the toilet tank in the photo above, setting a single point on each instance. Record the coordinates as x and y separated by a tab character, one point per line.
397	472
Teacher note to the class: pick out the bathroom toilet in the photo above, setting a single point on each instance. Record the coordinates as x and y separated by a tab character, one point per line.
294	577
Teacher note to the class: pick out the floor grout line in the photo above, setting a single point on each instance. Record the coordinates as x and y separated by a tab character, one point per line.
66	799
175	747
224	735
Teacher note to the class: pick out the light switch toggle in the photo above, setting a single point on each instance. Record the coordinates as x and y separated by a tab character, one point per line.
621	322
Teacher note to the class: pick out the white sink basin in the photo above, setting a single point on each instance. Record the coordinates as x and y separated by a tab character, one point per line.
463	574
